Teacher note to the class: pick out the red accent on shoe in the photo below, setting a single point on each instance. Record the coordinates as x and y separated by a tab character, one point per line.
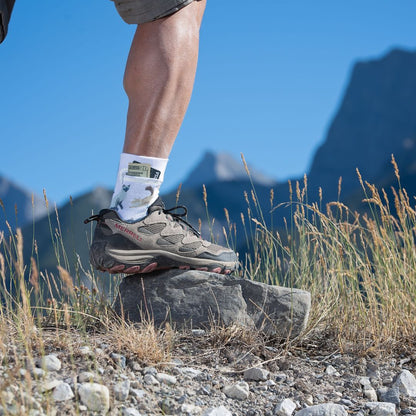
117	269
149	268
133	269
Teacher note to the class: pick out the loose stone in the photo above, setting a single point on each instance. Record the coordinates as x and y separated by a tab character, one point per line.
119	359
285	408
38	373
62	392
166	378
149	379
190	409
95	396
85	350
365	381
192	372
370	394
256	374
139	394
331	371
217	411
406	383
309	400
239	391
86	377
150	370
327	409
381	409
121	390
390	395
49	385
49	363
168	406
130	411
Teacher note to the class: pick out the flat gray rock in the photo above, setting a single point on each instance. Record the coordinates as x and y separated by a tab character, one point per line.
196	299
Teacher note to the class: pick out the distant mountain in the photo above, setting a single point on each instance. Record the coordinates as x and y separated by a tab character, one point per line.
76	236
218	167
377	117
18	205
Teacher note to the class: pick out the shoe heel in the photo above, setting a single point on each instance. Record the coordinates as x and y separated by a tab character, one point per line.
98	257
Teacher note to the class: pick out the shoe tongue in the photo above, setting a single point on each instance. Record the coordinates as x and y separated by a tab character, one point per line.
156	206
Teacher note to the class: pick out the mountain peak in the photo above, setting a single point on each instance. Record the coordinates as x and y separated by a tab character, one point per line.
219	167
19	203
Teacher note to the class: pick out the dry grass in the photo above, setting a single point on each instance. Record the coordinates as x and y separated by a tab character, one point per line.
360	268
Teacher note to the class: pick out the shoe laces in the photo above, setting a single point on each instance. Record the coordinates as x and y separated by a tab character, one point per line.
92	218
179	217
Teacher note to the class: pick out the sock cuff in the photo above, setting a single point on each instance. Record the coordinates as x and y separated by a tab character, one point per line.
155	162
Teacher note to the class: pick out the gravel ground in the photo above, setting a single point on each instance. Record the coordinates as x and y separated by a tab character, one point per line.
202	378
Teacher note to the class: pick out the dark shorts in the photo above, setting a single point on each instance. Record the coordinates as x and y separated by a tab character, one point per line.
142	11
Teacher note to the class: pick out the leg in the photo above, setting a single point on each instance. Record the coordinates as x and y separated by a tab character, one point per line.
143	236
159	79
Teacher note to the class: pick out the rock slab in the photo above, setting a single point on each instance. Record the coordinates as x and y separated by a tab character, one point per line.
196	299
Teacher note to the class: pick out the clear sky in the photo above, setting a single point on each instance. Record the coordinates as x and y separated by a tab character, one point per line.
271	74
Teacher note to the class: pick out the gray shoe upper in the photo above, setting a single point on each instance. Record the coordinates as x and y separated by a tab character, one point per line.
162	230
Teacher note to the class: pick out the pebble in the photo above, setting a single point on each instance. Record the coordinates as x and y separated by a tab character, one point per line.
332	371
285	408
49	385
168	406
309	400
406	383
370	393
390	395
49	363
150	370
217	411
256	374
85	350
327	409
38	373
239	391
190	409
95	396
86	377
139	394
165	378
130	411
280	378
119	359
62	392
192	372
381	409
151	380
121	390
365	381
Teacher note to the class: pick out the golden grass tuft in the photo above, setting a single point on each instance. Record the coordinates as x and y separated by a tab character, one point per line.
359	267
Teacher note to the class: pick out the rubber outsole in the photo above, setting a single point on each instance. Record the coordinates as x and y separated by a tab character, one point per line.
105	263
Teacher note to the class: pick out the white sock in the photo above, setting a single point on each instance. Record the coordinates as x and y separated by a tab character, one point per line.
138	181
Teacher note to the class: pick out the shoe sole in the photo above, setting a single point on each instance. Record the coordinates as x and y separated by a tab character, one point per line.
146	261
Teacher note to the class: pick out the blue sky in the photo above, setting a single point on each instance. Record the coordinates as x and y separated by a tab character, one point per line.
270	77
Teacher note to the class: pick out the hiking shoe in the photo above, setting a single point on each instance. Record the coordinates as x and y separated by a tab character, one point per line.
161	240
